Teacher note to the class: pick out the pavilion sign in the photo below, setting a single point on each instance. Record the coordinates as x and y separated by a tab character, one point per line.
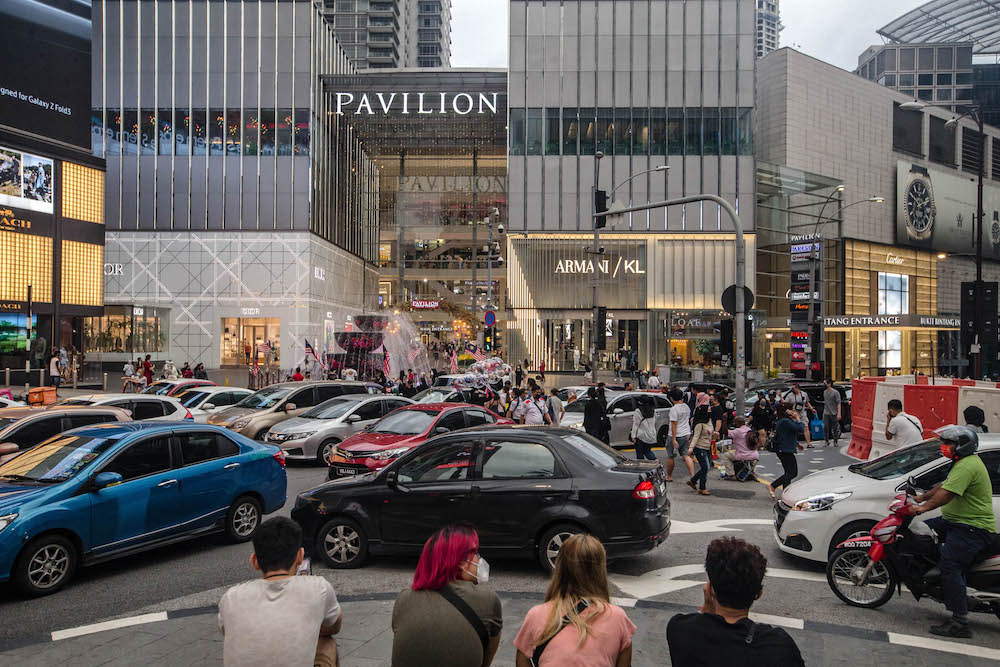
404	104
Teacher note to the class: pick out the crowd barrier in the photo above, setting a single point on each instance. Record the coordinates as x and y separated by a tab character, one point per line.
934	402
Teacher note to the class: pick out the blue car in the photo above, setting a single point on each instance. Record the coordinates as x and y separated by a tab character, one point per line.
99	492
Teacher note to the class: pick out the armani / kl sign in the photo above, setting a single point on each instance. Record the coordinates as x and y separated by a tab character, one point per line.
604	266
418	103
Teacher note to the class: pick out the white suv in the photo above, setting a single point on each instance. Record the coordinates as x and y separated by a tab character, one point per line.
821	510
144	407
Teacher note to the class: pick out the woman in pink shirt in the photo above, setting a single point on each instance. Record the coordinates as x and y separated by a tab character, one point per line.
742	449
576	625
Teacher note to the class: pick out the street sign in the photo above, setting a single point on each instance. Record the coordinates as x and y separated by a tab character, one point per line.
729	299
490	318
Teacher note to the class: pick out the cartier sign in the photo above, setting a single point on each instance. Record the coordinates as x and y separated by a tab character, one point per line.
370	104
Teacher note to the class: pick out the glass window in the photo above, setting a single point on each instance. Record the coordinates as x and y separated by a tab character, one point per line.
533	132
944	79
451	421
906	59
267	132
925	79
926	58
942	141
301	132
963	57
728	135
933	477
906	130
304	398
113	131
165	124
588	131
234	132
141	459
283	132
605	130
623	132
199	447
265	398
944	94
217	131
250	141
890	350
570	131
517	460
58	459
945	57
925	94
193	398
337	407
710	131
448	462
658	131
746	131
992	462
76	421
147	410
182	124
130	131
906	79
147	137
640	131
476	418
907	91
552	135
890	60
625	404
893	294
890	80
675	131
369	411
880	63
35	432
963	78
692	131
963	93
517	131
199	132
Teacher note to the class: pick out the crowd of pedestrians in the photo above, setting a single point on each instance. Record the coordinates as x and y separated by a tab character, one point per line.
449	615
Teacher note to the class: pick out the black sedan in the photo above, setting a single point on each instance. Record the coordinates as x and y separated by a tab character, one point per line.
525	490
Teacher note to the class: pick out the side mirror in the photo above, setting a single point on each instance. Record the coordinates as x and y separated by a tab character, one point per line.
392	481
289	407
354	418
8	448
441	429
106	479
208	406
617	411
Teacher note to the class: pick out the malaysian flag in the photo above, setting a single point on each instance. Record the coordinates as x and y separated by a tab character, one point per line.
454	361
477	353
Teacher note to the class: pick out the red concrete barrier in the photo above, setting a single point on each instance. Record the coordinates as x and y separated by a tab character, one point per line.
862	414
934	406
958	382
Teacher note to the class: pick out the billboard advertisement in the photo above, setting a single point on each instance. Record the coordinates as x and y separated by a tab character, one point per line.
25	181
936	210
45	68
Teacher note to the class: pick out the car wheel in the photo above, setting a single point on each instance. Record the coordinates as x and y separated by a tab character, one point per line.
243	519
259	437
325	451
853	529
342	544
551	541
45	566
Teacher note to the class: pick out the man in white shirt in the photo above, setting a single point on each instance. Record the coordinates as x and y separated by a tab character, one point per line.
556	409
902	429
281	618
532	410
653	382
680	434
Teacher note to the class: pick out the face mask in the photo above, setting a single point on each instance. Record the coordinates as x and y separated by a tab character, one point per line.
947	451
482	571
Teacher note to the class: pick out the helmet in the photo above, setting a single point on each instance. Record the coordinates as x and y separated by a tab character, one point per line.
962	438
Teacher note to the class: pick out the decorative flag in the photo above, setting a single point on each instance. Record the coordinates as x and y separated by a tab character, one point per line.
312	351
412	354
454	361
477	354
385	363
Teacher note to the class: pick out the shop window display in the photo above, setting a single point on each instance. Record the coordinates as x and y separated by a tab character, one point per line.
127	330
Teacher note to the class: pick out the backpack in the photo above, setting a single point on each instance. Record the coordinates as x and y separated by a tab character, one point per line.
752	440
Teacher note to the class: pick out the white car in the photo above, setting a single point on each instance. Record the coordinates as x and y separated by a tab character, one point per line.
142	407
621	407
821	510
10	403
203	401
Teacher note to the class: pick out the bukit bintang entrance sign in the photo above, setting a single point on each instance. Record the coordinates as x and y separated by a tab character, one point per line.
405	104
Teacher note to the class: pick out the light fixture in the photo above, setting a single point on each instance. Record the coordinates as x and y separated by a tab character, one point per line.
951	123
769	335
840	188
915	105
942	255
876	200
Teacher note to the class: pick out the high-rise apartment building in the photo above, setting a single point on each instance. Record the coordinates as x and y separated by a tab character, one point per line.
768	26
379	34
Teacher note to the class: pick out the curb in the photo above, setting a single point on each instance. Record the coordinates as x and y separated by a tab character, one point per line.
833	629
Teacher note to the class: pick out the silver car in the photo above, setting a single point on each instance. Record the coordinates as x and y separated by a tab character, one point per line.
621	408
313	435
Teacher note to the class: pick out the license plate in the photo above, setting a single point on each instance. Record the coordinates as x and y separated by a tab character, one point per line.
346	471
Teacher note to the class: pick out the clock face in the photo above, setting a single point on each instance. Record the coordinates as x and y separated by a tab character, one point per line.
919	206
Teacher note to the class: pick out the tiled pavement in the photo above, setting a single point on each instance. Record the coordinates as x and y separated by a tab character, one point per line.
192	638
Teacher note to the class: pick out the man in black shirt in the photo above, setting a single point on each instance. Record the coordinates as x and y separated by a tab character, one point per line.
722	634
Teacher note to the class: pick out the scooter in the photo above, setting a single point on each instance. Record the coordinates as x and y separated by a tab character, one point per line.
866	570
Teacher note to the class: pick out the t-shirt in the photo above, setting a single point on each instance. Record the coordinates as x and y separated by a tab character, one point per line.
276	622
428	630
653	382
681	414
533	412
831	399
555	409
709	640
973	501
798	401
718	418
905	430
610	634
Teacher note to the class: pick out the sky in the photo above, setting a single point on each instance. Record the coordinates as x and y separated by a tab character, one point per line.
837	34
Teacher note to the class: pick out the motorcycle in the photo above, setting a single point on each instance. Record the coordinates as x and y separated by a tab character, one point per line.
865	570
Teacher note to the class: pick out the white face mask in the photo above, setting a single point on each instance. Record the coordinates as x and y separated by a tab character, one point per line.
482	574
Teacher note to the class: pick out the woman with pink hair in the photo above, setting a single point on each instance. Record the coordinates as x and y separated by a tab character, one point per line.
448	617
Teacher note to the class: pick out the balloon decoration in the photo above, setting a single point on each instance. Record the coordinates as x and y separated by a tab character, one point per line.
487	372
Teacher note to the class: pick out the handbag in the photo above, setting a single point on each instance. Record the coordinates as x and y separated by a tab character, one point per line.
470	615
536	655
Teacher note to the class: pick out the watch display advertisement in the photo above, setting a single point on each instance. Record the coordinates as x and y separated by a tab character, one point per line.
936	210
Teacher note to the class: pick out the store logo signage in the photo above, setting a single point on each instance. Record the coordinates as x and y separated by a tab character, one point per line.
8	221
940	322
862	321
404	104
808	247
319	273
9	305
249	312
894	259
623	266
423	304
805	237
114	270
496	184
803	296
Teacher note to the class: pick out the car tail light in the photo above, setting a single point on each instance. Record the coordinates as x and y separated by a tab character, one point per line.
644	491
279	456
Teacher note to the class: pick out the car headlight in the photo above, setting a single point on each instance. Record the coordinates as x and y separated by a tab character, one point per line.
6	520
821	502
298	436
237	425
390	453
578	426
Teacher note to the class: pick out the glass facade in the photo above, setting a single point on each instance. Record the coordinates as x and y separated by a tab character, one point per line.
128	330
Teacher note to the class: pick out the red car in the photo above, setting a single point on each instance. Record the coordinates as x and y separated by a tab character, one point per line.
174	387
402	430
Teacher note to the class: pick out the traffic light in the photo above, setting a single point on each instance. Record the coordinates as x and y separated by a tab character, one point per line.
600	328
600	206
488	339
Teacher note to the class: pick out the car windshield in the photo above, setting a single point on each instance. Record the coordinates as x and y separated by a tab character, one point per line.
267	397
405	422
191	398
158	388
55	460
432	395
900	462
336	407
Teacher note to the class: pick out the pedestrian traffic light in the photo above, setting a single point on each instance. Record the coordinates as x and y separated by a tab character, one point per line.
488	339
600	206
